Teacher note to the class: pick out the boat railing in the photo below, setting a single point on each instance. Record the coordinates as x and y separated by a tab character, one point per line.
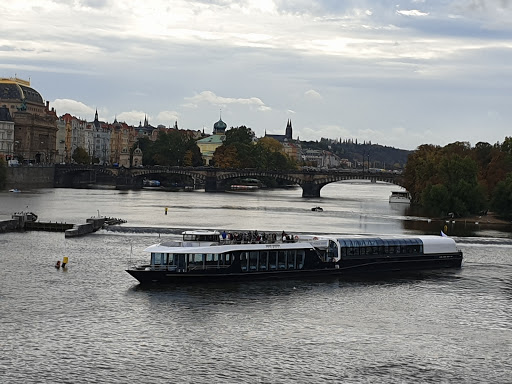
266	239
206	267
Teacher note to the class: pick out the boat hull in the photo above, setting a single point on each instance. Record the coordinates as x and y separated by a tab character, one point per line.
349	268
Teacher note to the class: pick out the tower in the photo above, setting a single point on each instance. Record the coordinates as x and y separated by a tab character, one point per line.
289	130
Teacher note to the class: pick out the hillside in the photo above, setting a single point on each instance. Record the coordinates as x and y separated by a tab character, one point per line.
380	156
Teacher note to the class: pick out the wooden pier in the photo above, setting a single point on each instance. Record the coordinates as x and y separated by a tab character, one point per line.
50	227
27	221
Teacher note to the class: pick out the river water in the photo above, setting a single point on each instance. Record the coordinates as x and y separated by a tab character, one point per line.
93	323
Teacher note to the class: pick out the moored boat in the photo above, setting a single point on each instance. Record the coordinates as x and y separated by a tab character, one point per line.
400	197
210	256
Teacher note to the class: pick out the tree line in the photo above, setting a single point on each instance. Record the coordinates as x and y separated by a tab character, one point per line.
461	179
239	151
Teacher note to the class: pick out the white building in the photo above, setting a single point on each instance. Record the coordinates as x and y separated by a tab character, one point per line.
6	134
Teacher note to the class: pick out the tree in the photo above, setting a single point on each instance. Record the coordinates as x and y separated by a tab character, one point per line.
239	135
501	202
170	148
81	156
445	179
226	156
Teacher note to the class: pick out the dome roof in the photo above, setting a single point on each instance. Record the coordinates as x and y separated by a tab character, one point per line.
219	127
19	90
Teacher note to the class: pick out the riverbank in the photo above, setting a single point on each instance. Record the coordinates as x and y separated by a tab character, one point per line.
490	218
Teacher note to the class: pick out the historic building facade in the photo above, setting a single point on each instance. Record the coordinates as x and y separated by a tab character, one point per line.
6	134
35	125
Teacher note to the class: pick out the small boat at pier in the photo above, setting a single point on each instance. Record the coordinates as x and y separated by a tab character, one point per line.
402	197
211	256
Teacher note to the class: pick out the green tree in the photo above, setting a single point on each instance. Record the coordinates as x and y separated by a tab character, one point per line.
501	202
81	156
170	148
239	135
445	179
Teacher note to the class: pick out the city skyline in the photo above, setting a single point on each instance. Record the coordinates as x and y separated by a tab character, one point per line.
400	74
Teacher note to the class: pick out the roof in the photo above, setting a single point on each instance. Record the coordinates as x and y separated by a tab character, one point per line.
227	248
16	89
214	139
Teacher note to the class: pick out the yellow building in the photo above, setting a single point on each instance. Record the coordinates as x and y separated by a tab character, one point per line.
209	144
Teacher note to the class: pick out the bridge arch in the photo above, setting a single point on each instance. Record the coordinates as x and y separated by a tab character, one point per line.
214	179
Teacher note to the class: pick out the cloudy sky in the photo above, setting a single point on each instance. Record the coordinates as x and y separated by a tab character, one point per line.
399	73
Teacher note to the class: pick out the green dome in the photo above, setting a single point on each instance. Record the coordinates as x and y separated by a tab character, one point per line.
219	126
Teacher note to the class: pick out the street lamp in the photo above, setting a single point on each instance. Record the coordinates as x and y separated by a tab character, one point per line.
16	142
44	154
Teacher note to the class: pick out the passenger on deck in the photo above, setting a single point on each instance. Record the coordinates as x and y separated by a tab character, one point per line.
57	265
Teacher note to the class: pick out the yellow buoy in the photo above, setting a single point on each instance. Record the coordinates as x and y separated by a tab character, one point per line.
64	261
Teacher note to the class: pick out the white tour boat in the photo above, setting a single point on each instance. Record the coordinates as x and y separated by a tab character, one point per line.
214	256
400	197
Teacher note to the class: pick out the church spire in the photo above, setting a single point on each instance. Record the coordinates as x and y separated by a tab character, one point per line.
289	130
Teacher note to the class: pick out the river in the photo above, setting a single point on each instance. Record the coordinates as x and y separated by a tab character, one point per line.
93	323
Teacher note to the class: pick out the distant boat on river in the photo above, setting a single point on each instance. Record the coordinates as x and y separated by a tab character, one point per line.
400	197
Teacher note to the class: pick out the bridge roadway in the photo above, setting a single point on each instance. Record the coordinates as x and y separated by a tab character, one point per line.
214	179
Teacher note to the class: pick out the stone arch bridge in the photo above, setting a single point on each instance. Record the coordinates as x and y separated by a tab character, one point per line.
213	179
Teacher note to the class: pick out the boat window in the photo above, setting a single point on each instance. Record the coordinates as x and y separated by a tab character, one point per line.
212	259
263	261
243	261
300	258
208	238
226	258
291	259
272	260
195	260
253	260
170	259
157	258
281	260
332	252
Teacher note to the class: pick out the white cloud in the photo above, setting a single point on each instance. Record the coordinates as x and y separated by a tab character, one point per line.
73	107
312	95
412	12
167	118
133	117
211	98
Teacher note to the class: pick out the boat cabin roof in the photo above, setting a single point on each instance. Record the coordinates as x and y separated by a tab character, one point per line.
400	193
162	248
201	232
